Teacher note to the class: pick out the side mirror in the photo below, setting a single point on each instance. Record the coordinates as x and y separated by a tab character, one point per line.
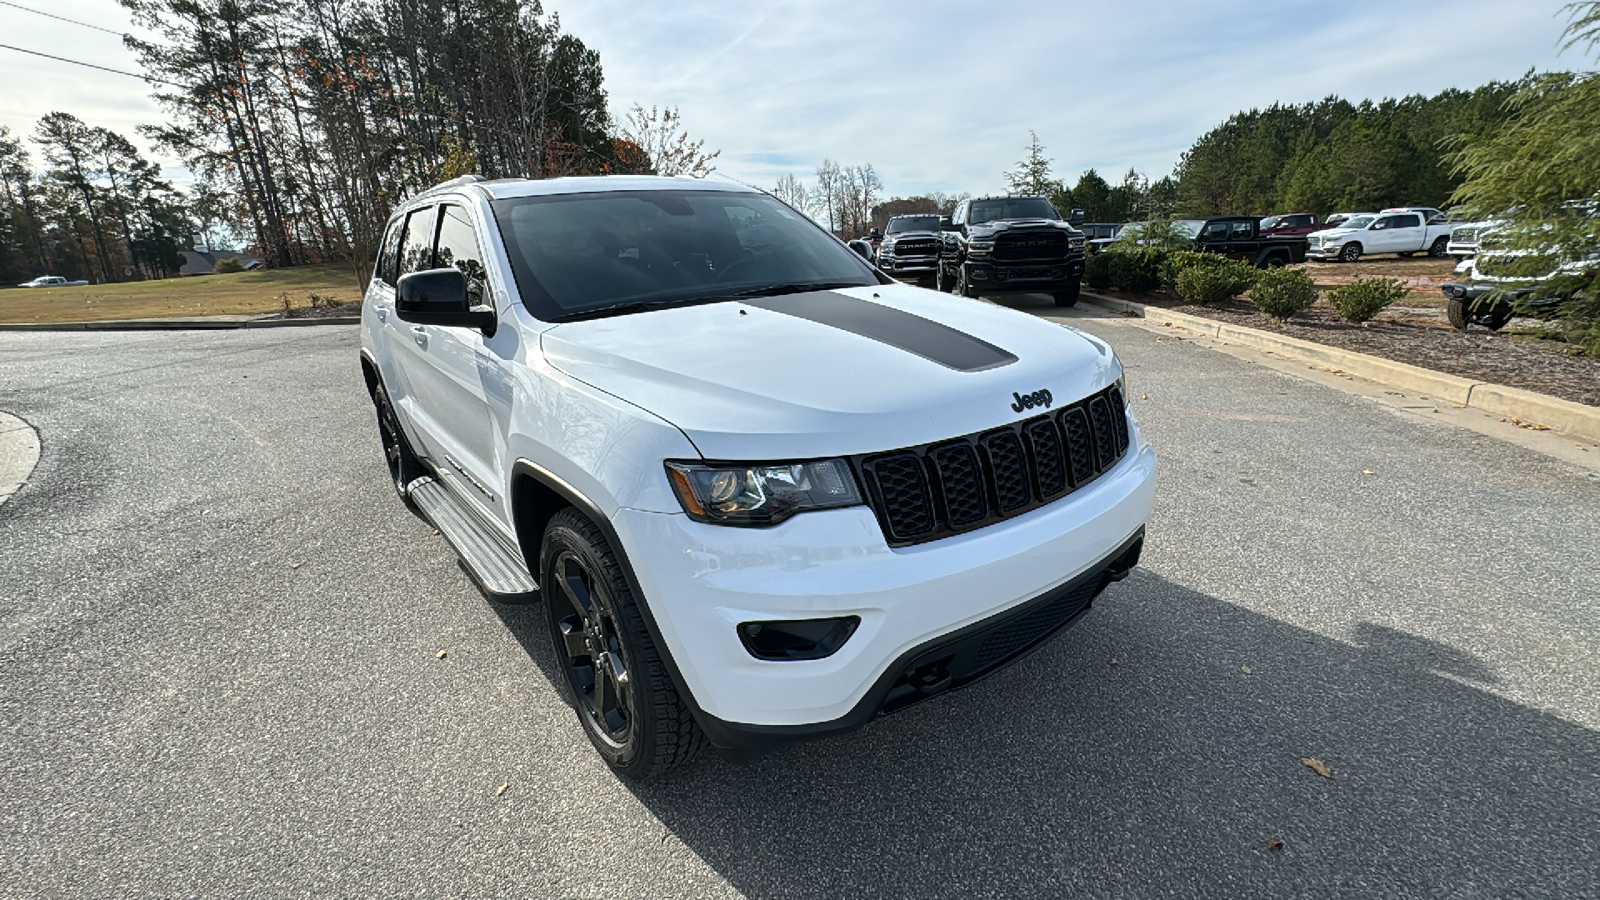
439	297
1075	218
862	248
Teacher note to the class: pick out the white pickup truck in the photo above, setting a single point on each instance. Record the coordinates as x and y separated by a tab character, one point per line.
44	281
1403	231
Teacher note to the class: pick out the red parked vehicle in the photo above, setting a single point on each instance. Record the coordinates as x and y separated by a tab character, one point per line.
1289	225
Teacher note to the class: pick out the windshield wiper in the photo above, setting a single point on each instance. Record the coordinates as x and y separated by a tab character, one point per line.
795	287
615	309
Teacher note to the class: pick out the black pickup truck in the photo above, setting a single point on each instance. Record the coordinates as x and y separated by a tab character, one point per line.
1012	245
1239	237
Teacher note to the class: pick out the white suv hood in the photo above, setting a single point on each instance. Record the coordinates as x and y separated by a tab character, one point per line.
746	381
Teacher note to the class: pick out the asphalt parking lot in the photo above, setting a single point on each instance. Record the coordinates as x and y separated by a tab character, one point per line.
220	670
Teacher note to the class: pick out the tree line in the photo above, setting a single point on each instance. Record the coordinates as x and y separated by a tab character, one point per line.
92	207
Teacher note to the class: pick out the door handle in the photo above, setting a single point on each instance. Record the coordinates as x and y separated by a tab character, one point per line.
383	313
421	334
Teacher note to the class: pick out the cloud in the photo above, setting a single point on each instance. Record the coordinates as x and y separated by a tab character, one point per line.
939	94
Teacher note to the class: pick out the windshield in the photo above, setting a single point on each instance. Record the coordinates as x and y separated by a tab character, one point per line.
913	223
1270	221
1188	228
577	253
1010	208
1357	222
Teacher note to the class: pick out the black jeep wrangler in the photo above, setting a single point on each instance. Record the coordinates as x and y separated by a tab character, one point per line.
1012	245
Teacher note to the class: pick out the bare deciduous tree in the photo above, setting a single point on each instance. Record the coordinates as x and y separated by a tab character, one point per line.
659	133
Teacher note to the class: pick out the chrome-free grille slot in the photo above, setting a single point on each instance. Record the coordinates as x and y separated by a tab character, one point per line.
932	491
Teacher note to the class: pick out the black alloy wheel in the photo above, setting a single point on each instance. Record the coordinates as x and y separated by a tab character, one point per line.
611	671
595	662
963	287
1350	252
403	465
1440	248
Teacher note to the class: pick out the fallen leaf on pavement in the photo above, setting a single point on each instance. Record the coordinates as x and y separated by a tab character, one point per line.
1113	661
1317	766
1368	472
440	654
501	790
1274	845
1144	396
1246	670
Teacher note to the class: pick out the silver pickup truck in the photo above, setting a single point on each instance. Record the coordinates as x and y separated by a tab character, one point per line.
46	281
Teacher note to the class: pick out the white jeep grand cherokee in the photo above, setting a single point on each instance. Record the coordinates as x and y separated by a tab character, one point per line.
769	492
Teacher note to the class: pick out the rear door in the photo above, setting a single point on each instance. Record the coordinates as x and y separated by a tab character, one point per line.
408	342
1402	233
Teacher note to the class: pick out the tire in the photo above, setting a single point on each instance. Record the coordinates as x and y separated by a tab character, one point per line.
942	281
1069	297
1496	318
1440	248
962	288
611	671
1274	261
1456	311
404	467
1350	252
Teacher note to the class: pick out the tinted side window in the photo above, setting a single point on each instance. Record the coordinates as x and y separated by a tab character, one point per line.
1299	221
1241	231
416	250
389	255
1407	222
458	247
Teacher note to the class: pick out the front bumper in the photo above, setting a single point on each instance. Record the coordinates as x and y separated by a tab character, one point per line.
701	581
915	265
1324	253
1041	277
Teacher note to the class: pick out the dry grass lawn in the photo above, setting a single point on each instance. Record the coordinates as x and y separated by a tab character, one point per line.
204	295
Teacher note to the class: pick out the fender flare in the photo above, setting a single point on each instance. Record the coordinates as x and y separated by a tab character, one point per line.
530	545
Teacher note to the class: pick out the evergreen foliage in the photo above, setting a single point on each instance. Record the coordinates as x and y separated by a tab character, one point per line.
1364	298
1282	292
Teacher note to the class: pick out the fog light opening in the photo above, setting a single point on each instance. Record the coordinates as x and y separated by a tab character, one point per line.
797	639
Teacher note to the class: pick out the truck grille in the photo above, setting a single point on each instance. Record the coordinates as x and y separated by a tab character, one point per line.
917	247
1030	245
936	490
1464	236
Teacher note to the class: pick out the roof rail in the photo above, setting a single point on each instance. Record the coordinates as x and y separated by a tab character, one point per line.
457	182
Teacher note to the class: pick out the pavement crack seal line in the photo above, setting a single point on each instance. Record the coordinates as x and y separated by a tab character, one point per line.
1564	416
19	453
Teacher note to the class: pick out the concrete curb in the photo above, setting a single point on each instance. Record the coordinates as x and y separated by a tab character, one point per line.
180	324
1497	399
19	453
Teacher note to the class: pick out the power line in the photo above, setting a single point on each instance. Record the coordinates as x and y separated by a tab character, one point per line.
40	12
92	65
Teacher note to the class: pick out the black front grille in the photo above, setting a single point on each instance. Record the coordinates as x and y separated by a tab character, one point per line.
924	493
1030	245
921	247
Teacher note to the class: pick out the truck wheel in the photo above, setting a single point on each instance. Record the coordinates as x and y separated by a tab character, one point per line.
963	289
942	281
1496	318
1456	311
404	467
1439	248
611	671
1350	252
1069	297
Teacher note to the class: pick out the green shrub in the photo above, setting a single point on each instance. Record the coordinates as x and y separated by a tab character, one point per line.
1281	293
1209	284
1097	271
1178	261
1136	271
1364	298
227	267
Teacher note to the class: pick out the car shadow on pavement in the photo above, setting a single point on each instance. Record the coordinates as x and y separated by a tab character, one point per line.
1136	755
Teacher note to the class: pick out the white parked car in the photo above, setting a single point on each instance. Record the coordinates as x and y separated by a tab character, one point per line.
764	491
1403	231
49	281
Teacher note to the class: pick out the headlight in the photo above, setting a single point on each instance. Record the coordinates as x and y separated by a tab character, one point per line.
980	248
760	494
1076	243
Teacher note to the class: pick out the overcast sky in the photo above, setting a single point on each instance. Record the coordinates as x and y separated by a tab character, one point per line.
938	95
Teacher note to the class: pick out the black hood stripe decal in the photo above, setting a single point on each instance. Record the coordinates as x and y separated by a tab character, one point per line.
924	337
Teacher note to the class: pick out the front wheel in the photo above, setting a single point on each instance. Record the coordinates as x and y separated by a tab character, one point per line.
1439	248
404	467
1069	297
942	282
963	287
1350	252
612	671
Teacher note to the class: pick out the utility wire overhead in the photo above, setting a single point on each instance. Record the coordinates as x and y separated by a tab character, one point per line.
92	66
40	12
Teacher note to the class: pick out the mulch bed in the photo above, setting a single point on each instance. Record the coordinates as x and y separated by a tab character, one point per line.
1522	361
353	308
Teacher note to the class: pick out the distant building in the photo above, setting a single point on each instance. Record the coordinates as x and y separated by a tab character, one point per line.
202	261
